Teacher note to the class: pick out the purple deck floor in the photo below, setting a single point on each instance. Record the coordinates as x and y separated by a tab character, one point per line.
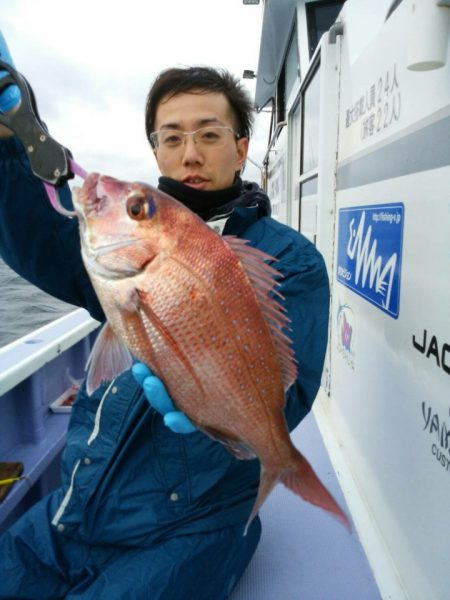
304	554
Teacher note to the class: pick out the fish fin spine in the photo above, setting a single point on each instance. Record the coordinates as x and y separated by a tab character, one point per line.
263	279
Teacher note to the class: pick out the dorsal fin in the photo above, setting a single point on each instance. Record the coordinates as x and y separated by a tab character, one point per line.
263	278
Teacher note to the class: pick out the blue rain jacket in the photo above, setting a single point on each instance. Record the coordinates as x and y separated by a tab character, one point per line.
127	480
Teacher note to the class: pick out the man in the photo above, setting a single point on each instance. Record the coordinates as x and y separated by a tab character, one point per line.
145	512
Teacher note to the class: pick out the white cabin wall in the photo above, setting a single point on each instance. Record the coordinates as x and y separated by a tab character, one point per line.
380	384
363	21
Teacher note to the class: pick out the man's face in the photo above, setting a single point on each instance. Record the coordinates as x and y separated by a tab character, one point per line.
202	168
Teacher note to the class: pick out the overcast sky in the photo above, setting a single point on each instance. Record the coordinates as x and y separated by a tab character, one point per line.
91	63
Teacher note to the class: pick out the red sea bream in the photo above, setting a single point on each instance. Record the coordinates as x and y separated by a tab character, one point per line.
196	308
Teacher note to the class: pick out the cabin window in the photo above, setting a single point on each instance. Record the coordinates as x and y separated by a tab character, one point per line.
291	65
310	129
290	73
305	155
294	141
320	16
281	97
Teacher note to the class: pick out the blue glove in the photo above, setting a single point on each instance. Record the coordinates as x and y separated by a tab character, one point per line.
156	394
10	97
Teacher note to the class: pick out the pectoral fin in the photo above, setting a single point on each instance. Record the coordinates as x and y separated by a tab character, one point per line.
109	358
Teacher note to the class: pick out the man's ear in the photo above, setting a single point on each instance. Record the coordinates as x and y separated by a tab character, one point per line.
241	153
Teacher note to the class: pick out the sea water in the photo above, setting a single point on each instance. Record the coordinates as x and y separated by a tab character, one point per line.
24	307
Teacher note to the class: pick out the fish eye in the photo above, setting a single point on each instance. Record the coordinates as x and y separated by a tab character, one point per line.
140	207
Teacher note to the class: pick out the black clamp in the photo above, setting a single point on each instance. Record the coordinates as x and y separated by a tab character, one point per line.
49	160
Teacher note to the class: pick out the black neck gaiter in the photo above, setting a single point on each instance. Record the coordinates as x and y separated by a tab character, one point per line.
205	204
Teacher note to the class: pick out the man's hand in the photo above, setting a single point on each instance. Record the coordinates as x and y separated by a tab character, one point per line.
156	394
9	97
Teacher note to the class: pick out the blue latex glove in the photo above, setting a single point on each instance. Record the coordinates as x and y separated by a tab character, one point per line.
156	394
10	97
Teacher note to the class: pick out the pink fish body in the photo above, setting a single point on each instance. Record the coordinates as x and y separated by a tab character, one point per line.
195	307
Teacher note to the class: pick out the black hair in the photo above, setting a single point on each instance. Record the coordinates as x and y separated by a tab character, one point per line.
204	80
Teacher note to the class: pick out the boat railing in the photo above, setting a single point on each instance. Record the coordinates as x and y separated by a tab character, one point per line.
36	370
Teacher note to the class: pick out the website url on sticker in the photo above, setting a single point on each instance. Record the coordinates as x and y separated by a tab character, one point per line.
386	217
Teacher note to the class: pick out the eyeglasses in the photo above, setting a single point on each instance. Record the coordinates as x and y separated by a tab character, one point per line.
208	137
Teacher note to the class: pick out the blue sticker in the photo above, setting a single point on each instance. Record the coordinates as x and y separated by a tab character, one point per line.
369	254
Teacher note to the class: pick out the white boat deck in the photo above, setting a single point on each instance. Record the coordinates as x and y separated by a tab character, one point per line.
305	554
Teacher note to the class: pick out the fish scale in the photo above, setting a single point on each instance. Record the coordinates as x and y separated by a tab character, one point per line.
189	332
199	309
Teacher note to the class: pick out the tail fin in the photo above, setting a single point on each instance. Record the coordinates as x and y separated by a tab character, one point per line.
266	483
301	479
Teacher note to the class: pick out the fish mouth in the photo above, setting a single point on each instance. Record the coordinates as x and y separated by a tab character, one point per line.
84	197
93	196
